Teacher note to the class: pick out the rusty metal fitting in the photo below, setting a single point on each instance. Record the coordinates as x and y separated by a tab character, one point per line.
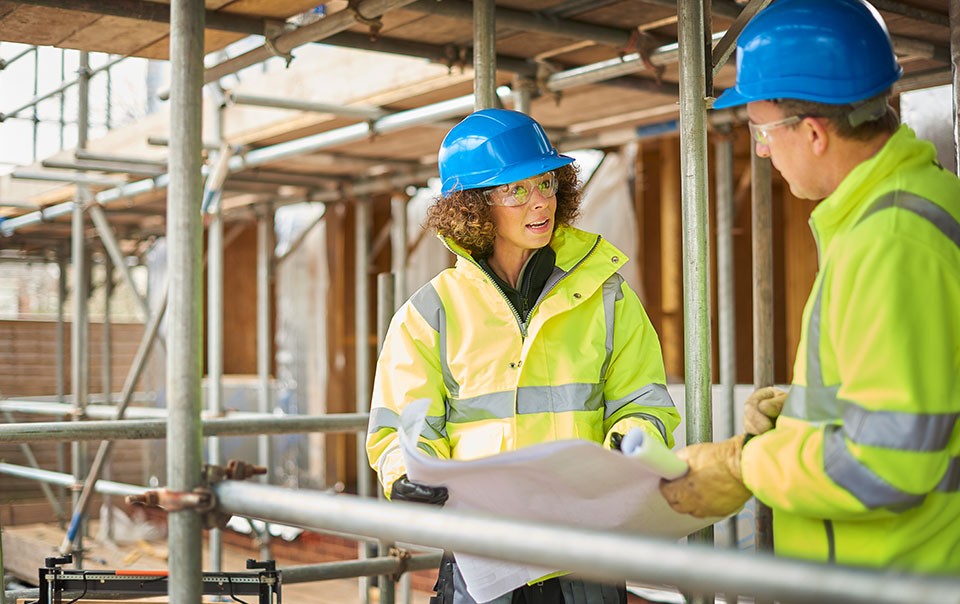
403	557
374	23
200	499
148	498
241	470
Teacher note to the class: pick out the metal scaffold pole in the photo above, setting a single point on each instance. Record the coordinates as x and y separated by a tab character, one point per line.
955	61
386	285
63	267
763	355
726	299
184	322
264	348
484	54
215	323
361	209
79	358
696	248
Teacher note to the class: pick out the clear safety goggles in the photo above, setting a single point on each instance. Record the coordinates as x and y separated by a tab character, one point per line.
518	193
761	132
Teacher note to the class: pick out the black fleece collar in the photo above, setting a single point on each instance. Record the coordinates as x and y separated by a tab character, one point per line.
534	274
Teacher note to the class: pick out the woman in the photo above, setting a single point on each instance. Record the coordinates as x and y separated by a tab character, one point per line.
532	337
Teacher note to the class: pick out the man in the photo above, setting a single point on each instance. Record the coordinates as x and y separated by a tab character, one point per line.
862	466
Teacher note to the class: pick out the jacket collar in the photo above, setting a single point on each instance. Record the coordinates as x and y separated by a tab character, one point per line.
841	210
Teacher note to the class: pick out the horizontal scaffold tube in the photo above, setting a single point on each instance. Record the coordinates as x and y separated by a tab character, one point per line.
107	487
602	555
386	565
135	429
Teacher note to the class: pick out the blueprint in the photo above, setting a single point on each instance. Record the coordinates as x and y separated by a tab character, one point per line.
569	482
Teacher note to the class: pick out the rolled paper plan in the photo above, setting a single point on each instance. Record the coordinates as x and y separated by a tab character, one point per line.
637	443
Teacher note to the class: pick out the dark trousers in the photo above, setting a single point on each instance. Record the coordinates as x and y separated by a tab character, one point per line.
451	589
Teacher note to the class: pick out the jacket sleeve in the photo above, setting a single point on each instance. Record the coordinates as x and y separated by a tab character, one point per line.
408	370
635	394
891	319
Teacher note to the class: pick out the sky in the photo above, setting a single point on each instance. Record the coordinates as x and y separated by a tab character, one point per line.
37	73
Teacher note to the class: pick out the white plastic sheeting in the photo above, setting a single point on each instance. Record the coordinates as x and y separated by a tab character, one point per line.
607	209
301	339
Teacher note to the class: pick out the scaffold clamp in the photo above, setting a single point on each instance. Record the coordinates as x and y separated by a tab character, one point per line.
403	557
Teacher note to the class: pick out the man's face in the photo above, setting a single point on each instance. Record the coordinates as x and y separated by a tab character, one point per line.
783	139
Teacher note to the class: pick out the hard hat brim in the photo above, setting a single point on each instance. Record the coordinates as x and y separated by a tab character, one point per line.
511	174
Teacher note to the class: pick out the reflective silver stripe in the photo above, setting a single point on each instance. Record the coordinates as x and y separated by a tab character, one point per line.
893	430
428	304
815	402
889	429
380	418
559	399
611	294
653	419
920	206
951	478
651	395
427	449
526	400
498	405
872	491
814	371
435	427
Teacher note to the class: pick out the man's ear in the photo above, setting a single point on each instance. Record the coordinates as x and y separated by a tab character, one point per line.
817	135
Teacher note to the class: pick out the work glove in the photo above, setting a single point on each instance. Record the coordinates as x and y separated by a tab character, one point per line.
713	485
406	490
762	409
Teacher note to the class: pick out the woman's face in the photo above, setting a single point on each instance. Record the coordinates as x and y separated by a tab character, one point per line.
523	213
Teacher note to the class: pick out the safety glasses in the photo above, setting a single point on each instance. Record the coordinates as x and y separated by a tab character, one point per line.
518	193
761	132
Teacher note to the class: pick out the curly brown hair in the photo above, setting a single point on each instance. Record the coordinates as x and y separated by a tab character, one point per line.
464	216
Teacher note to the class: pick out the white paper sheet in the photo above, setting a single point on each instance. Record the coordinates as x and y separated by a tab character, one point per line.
569	482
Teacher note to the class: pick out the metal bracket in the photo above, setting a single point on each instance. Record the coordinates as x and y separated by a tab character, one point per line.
200	499
641	42
286	56
403	557
454	56
374	23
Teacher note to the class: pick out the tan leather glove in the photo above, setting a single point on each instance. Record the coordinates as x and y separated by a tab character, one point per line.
762	409
713	486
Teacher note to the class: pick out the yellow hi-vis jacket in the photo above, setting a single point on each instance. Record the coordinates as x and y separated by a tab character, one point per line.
586	363
863	467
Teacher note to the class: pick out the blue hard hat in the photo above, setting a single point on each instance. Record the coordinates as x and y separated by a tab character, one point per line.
494	147
826	51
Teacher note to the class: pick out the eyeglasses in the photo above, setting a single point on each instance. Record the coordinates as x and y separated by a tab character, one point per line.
761	132
518	193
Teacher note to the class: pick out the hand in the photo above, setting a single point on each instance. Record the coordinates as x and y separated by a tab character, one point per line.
406	490
713	485
762	409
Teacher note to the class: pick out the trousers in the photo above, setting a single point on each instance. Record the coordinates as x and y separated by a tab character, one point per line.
451	589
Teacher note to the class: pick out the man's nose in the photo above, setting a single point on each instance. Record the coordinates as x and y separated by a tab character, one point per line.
763	150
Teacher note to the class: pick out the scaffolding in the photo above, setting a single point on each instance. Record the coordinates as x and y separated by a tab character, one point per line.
695	568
